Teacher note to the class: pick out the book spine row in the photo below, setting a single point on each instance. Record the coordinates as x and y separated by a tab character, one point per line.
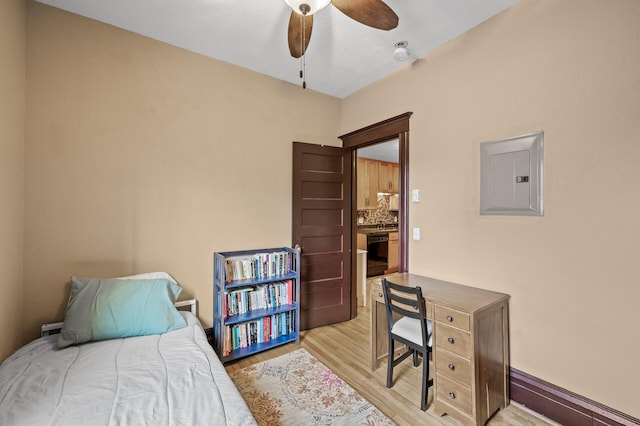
259	266
264	296
259	331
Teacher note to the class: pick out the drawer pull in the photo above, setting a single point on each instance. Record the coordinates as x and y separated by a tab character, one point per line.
449	318
450	340
452	395
452	367
379	294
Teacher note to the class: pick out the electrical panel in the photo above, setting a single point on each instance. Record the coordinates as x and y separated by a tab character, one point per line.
511	176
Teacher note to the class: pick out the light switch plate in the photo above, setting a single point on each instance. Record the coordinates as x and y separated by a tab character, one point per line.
415	196
416	234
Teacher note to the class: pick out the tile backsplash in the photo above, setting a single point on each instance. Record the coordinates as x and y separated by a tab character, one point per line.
380	215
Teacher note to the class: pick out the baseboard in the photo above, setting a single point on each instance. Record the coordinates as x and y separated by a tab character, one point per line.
562	406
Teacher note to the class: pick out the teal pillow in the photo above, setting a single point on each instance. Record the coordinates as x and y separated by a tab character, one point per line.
108	308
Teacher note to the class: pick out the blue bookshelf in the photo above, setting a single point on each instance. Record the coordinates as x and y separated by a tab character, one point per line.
256	299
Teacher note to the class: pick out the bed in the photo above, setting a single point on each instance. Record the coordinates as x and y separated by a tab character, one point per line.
167	378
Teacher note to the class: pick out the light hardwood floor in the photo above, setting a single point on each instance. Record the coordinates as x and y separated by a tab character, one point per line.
344	348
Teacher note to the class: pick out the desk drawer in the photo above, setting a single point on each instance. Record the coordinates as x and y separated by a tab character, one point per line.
453	340
455	394
453	366
452	317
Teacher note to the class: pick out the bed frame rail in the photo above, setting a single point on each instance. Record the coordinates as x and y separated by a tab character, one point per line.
191	303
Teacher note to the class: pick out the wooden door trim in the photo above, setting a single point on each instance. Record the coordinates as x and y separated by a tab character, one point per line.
403	189
378	132
393	128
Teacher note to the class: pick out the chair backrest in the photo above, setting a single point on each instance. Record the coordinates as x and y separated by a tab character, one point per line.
405	301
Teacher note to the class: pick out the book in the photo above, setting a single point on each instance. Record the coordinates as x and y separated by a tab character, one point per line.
257	266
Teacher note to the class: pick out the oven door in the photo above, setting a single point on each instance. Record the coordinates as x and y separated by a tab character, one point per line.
377	253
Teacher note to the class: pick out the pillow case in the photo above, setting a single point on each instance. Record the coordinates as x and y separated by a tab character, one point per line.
108	308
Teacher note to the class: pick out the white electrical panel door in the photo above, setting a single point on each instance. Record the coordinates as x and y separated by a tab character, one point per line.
511	176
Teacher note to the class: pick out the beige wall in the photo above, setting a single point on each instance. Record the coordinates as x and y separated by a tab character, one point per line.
12	116
570	68
141	157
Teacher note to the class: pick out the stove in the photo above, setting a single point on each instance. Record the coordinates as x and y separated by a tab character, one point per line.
377	253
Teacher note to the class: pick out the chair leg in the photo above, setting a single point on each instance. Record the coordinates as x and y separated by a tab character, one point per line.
425	380
416	362
390	364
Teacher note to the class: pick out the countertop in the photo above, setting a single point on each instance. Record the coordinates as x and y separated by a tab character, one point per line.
374	230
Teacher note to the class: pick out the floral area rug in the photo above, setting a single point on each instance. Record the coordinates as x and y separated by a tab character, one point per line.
297	389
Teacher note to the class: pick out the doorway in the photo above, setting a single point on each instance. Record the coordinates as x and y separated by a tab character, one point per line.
396	128
377	176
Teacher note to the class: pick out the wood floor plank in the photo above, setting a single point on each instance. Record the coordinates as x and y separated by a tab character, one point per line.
344	348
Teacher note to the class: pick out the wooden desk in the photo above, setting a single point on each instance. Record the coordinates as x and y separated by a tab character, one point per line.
470	345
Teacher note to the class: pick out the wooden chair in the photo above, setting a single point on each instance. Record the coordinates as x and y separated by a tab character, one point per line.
412	329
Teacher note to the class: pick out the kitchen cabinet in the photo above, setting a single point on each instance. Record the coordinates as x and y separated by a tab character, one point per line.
392	256
362	241
388	174
395	177
375	176
367	185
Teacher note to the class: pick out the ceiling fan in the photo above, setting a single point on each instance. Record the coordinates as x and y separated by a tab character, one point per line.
373	13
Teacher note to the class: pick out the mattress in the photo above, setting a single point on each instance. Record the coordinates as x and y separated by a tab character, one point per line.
169	379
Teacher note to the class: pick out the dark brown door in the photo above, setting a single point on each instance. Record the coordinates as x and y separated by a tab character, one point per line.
322	228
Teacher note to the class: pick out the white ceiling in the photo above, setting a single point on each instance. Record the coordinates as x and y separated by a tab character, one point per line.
386	151
343	55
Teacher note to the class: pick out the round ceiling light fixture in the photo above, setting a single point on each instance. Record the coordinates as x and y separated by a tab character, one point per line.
307	7
401	53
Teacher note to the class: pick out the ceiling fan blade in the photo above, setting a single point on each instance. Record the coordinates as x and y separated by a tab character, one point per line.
373	13
295	33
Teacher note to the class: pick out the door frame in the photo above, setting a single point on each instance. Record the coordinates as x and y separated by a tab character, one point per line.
393	128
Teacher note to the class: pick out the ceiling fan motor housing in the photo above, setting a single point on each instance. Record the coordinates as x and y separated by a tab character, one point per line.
307	7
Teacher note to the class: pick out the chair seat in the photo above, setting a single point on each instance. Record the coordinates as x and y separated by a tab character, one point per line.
409	328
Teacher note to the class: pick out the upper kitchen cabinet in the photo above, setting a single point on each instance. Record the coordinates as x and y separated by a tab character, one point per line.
367	183
388	174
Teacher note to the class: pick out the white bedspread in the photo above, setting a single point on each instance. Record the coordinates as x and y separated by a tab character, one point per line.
170	379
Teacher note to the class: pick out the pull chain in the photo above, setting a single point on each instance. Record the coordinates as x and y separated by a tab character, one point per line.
303	64
304	67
